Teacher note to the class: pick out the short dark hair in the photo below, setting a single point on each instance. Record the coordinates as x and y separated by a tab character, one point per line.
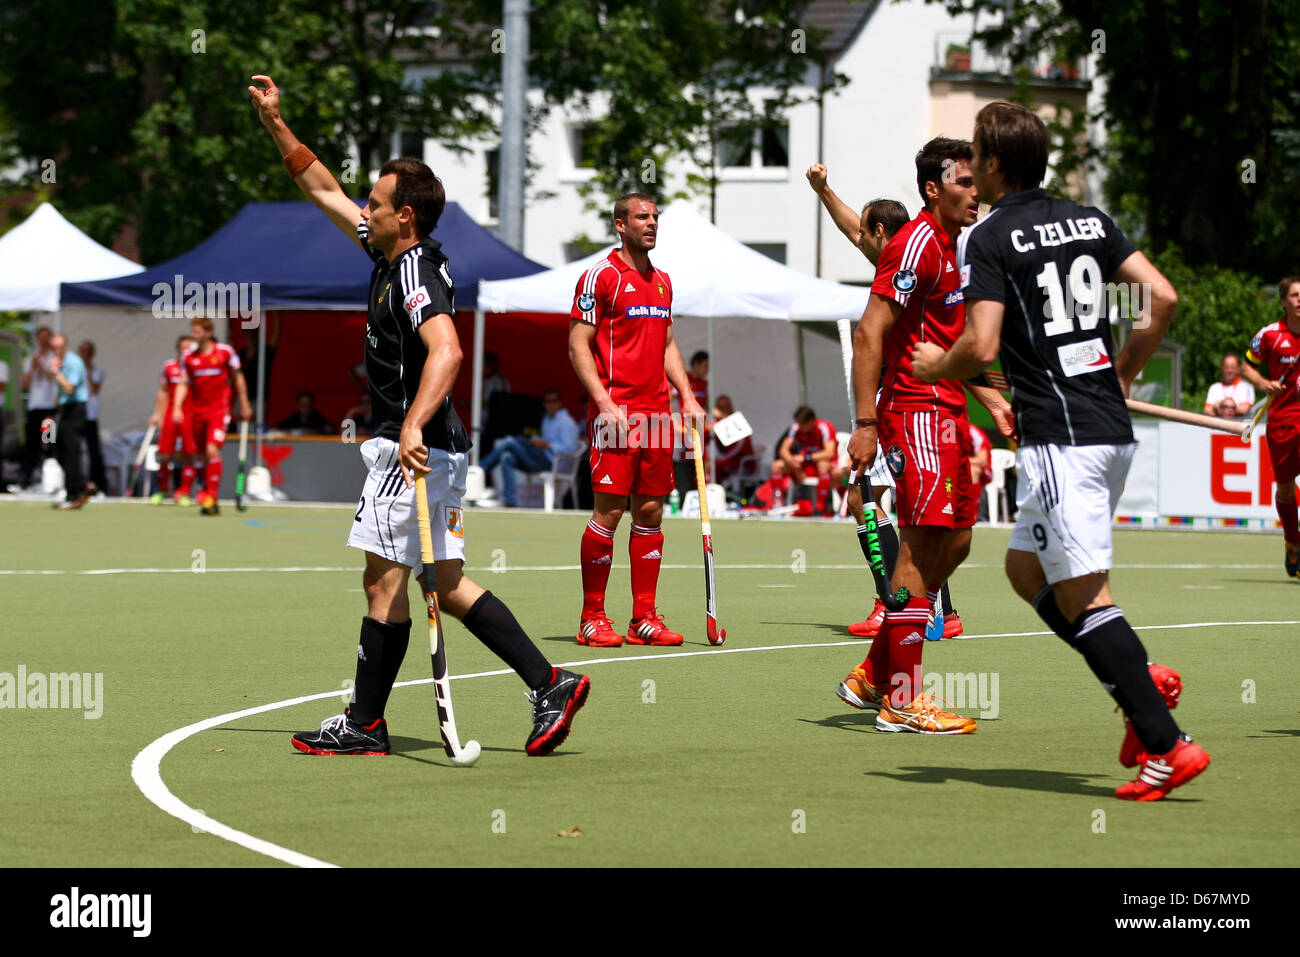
418	188
804	414
1018	138
934	158
887	212
700	356
180	339
308	394
1285	285
621	204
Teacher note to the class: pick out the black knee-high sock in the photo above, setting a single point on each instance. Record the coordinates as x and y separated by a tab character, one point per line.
490	621
888	542
1116	656
1045	604
945	597
379	656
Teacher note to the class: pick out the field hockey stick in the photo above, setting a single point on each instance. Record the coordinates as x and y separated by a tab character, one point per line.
134	477
1187	418
716	635
846	354
243	466
893	601
461	757
1260	409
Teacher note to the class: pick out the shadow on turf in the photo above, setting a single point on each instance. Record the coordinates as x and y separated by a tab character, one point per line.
861	721
402	747
1061	782
1271	734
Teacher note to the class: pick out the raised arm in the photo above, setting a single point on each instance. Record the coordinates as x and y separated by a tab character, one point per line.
317	182
846	220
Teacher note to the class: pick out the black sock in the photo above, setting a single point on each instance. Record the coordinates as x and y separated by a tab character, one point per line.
1116	656
379	656
490	621
888	543
945	597
1045	604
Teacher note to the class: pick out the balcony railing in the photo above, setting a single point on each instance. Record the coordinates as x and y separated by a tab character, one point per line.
957	53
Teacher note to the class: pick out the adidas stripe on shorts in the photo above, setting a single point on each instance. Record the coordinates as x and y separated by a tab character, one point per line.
1067	496
387	520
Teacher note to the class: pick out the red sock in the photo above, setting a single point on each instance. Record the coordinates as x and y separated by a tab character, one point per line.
214	478
905	632
165	477
876	664
646	548
1286	511
597	553
823	490
188	471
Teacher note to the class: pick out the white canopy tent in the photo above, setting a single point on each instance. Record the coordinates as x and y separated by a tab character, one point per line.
720	288
46	250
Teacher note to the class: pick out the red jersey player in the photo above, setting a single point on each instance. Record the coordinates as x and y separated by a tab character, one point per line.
175	442
809	450
209	368
622	348
1277	348
923	431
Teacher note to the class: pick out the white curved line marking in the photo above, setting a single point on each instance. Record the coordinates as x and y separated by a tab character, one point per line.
145	768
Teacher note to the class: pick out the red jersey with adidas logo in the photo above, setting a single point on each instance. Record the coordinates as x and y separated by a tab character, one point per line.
1277	349
209	376
631	312
918	270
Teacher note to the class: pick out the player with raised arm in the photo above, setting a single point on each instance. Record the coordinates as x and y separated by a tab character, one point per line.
916	297
209	368
1276	347
412	357
175	440
1035	273
622	348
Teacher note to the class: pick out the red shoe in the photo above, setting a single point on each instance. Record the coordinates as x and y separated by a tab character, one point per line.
952	626
651	630
1170	685
598	633
871	627
1161	773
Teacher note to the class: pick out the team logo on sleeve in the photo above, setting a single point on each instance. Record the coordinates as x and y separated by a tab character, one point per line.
586	302
905	280
456	522
661	289
895	461
416	301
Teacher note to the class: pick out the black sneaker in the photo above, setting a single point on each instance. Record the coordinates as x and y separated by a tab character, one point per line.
1292	562
553	709
341	735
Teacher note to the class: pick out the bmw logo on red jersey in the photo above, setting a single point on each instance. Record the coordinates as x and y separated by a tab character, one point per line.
905	280
586	302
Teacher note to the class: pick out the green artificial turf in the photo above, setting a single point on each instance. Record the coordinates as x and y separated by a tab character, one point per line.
735	756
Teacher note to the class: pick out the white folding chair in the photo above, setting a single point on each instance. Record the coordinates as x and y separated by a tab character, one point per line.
1001	461
562	475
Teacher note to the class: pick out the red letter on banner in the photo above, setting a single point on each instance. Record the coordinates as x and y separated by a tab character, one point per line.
1221	468
1265	473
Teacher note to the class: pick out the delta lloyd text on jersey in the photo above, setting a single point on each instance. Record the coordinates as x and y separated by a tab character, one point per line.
214	300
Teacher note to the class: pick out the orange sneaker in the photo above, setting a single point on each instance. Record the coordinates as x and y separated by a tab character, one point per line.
1170	685
598	633
1161	773
857	692
952	626
871	627
651	630
922	716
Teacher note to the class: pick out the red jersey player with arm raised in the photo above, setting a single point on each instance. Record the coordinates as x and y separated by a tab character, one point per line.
1277	348
923	430
622	349
173	434
209	368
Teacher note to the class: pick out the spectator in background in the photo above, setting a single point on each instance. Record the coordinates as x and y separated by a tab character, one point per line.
361	416
307	420
698	377
95	381
810	450
1230	385
522	453
493	380
69	374
249	359
4	391
730	459
38	383
1228	409
981	471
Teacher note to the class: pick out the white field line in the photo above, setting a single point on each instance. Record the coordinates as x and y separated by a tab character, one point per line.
487	569
145	768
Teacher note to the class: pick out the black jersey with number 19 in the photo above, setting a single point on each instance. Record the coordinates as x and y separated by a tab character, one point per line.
1049	261
403	296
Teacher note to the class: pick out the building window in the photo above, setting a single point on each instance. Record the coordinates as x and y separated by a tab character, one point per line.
748	147
774	145
411	143
493	163
578	148
774	251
